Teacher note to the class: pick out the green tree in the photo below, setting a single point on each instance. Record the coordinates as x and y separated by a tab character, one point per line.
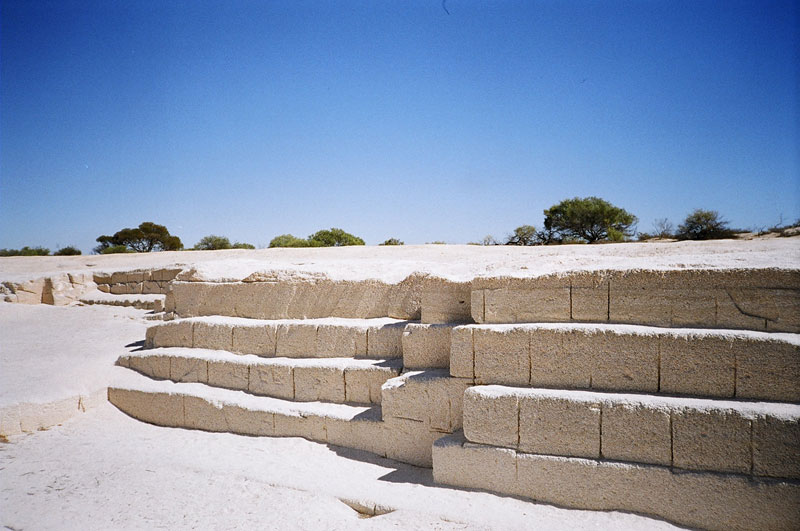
239	245
288	240
589	219
524	235
704	225
213	243
147	237
334	238
34	251
69	250
392	241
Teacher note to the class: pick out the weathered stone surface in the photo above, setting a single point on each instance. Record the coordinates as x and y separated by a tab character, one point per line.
426	346
636	433
776	447
555	426
711	440
700	367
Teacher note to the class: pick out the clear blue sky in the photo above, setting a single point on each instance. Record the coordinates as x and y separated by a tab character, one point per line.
390	118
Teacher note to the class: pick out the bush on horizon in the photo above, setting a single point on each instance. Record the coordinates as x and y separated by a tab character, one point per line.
239	245
147	237
213	243
324	238
392	241
704	225
588	219
26	251
69	250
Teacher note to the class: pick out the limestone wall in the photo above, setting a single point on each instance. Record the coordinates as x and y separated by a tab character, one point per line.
144	282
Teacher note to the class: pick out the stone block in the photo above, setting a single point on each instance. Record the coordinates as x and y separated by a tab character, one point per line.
215	336
559	359
502	356
717	440
296	340
204	415
172	334
704	366
447	302
621	362
153	366
509	305
164	274
558	426
409	441
589	297
767	370
477	300
365	434
430	397
259	340
274	380
335	341
311	427
491	417
364	385
186	369
636	433
119	289
426	346
120	277
162	409
312	383
776	447
102	278
151	287
385	341
257	423
105	288
462	359
229	375
463	464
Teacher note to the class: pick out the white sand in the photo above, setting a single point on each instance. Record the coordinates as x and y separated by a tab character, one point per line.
456	262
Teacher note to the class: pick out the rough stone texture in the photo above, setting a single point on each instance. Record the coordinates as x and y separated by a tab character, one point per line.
162	409
447	302
410	441
430	397
426	346
492	420
364	385
258	340
636	433
272	380
620	362
229	375
502	357
319	383
706	367
171	334
186	369
768	370
385	341
296	340
462	359
711	440
559	427
463	464
776	447
213	336
153	366
335	341
557	360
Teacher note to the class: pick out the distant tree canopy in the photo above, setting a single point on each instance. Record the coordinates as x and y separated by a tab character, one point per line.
392	241
240	245
213	243
524	235
26	251
69	250
323	238
589	219
145	238
704	225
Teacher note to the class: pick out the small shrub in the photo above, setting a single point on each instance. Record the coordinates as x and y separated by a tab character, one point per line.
392	241
288	240
69	250
334	238
437	242
704	225
239	245
213	243
34	251
663	228
116	249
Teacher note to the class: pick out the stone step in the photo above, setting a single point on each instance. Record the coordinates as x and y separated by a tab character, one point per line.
697	499
199	406
339	380
379	338
152	302
752	299
711	363
751	438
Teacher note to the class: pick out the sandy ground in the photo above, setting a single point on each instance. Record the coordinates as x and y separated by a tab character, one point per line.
104	470
456	262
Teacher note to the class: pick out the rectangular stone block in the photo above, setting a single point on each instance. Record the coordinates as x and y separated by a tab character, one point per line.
188	369
430	397
229	375
119	289
134	287
776	447
491	417
102	278
556	426
463	464
213	336
502	356
119	277
204	415
296	340
715	440
363	386
258	340
319	383
151	287
334	341
697	365
559	359
162	409
272	380
250	422
589	297
172	334
506	305
478	305
385	341
447	302
154	366
621	362
165	274
311	427
105	288
636	433
361	434
767	370
426	346
410	441
462	359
